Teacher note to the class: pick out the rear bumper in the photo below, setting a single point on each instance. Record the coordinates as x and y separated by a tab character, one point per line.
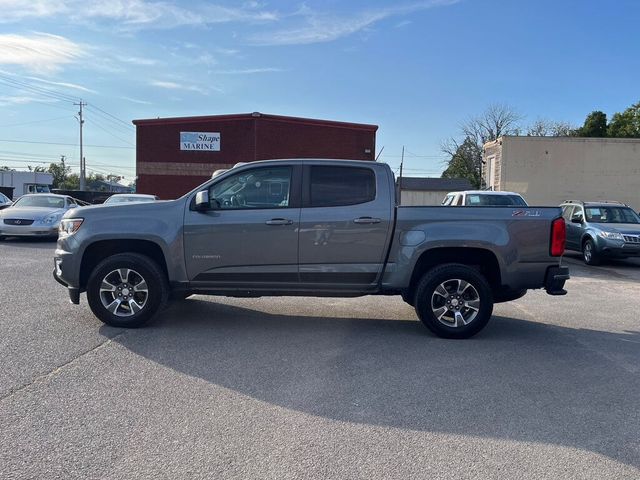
555	279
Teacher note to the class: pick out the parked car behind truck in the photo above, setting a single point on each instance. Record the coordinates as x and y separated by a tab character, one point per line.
310	228
602	230
483	198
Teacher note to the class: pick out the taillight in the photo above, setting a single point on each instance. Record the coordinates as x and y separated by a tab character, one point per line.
558	237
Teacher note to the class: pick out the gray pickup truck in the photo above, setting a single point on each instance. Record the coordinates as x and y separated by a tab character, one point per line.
327	228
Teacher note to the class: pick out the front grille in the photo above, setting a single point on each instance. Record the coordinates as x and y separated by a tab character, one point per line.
631	238
17	221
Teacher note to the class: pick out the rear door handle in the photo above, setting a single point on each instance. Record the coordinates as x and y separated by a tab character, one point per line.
279	221
366	220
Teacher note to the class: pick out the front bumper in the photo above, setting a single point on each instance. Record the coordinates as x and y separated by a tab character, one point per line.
33	230
65	273
620	249
555	279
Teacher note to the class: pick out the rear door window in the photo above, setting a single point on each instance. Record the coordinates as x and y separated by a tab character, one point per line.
333	186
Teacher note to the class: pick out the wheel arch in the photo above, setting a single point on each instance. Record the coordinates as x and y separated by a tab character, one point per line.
101	249
481	259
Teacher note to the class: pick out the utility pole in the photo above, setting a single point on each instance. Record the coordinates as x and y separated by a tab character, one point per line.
82	163
400	179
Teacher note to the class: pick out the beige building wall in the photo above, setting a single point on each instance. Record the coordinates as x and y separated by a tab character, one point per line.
549	170
414	198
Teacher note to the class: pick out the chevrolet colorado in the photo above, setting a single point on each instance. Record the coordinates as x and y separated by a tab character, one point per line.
310	228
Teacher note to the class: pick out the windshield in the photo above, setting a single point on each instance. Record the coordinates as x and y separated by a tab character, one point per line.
611	215
490	200
125	199
3	198
40	201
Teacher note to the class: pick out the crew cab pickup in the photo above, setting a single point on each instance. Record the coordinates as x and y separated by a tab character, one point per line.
327	228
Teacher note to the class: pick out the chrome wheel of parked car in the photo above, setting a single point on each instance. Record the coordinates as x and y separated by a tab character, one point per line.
589	253
124	292
127	290
455	303
454	300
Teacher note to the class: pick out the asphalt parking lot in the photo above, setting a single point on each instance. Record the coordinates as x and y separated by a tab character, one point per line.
318	388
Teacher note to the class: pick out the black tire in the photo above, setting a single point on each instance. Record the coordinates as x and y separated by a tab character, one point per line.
448	275
143	267
590	254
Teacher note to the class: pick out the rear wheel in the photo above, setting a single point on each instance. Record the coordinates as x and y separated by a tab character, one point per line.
454	301
590	254
127	290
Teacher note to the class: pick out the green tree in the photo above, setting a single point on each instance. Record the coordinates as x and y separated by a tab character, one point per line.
595	125
466	162
626	124
60	174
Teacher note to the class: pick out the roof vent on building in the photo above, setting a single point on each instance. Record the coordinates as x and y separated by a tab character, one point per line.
256	114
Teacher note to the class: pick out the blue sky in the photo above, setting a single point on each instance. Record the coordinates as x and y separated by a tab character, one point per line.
415	68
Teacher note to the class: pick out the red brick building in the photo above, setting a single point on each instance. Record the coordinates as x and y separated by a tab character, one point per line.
175	155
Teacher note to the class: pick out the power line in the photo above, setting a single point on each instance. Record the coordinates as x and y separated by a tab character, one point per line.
104	129
113	117
64	144
20	85
34	121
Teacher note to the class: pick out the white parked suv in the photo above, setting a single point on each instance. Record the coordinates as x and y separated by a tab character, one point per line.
483	198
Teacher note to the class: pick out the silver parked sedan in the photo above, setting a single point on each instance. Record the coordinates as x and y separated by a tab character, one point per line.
35	215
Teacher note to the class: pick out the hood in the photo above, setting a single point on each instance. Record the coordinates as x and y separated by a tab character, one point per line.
627	228
29	213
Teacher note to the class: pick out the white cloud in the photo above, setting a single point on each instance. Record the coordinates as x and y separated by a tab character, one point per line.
170	85
16	10
248	71
6	101
322	27
74	86
133	14
135	100
144	61
39	52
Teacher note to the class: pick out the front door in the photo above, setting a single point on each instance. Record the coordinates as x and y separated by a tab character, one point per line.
248	239
345	226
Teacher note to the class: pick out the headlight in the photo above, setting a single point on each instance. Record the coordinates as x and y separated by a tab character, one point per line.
53	218
611	235
69	226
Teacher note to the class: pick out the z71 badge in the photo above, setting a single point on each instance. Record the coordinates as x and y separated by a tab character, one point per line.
526	213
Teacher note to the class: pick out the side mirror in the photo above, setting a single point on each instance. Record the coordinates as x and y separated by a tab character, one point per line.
577	219
202	201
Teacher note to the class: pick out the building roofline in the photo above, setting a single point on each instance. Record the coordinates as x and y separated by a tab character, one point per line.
563	139
255	116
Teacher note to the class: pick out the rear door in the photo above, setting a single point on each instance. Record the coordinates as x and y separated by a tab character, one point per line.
345	225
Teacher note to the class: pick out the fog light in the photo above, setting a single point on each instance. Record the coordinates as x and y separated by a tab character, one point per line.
58	268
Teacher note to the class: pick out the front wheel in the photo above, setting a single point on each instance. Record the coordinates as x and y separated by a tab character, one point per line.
126	290
590	254
454	301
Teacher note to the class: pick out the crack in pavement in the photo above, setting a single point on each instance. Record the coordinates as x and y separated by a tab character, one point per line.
43	376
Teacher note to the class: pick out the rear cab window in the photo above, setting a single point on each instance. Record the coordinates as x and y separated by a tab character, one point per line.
333	186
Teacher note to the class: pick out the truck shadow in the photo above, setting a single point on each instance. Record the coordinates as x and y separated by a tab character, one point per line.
517	380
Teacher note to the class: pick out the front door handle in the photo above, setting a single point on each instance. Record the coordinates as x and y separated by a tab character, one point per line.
279	221
366	220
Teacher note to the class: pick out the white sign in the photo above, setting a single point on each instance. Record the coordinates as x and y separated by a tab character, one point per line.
200	141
